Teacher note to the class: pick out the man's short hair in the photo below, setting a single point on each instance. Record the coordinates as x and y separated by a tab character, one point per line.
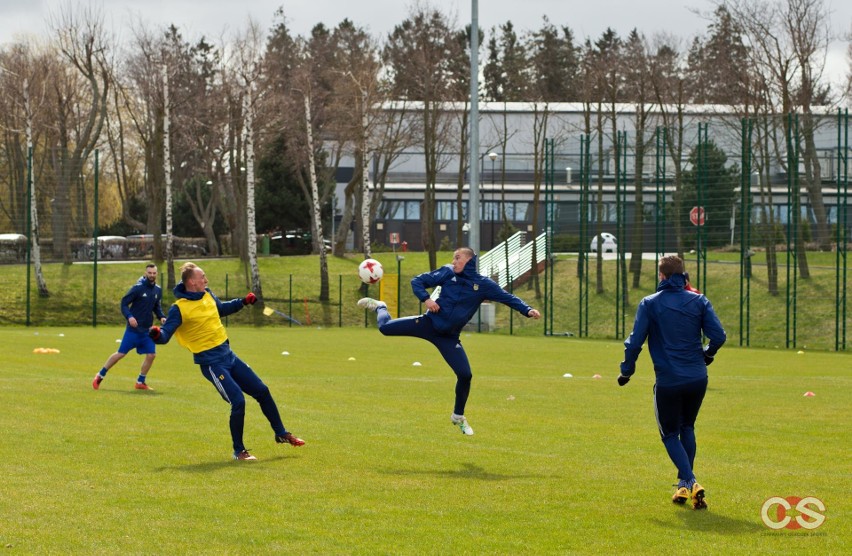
187	270
671	264
467	251
150	265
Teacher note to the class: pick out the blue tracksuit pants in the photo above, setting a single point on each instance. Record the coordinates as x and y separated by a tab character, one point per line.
677	408
233	377
449	346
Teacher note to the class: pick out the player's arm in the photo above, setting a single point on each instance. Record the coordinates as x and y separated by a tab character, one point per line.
421	282
712	328
226	308
125	305
499	295
158	310
633	343
162	335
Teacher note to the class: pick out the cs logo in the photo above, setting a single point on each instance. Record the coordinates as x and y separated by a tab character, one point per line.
810	516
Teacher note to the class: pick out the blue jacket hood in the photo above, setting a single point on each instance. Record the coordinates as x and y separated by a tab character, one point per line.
676	281
469	270
181	293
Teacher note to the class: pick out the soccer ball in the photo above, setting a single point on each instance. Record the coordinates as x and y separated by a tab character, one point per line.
370	271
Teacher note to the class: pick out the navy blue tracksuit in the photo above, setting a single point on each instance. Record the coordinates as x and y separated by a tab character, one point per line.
672	320
461	295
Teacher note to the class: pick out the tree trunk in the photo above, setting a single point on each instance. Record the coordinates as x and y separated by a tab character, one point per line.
347	216
638	235
365	182
317	225
167	173
430	148
813	171
251	222
599	285
463	155
35	247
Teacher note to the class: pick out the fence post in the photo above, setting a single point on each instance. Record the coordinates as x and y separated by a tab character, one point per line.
842	228
96	247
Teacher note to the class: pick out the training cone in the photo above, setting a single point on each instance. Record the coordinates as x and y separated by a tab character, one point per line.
596	376
809	394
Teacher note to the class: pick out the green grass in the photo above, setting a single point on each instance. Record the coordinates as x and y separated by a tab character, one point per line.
291	285
557	465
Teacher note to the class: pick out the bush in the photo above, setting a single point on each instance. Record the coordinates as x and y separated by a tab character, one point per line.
566	242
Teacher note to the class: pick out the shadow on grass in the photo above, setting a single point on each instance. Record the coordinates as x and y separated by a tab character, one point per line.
218	465
710	521
468	471
130	391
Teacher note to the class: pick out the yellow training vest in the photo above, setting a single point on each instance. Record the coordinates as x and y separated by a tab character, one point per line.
201	328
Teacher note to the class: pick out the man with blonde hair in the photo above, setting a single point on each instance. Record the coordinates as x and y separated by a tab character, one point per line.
195	320
673	320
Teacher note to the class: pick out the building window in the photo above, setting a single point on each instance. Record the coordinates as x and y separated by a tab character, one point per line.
412	210
445	210
392	210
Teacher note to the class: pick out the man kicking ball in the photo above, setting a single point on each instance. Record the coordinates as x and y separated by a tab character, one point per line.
463	290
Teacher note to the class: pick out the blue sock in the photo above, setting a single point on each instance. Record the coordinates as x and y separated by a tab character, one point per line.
103	372
141	379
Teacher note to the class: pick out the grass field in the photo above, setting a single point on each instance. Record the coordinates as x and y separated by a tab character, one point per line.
557	466
291	285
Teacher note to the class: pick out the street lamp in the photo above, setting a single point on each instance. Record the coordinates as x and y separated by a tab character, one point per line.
493	156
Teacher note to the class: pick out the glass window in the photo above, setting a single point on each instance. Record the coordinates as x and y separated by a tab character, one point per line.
392	210
492	211
510	211
412	210
521	210
445	210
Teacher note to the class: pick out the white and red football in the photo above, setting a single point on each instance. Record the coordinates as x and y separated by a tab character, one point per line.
370	271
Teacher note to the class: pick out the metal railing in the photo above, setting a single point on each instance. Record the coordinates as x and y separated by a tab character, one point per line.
512	259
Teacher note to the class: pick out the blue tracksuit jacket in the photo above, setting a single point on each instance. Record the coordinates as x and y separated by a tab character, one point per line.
142	301
461	295
672	319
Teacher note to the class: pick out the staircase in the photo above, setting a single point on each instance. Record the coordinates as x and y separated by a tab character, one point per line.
512	258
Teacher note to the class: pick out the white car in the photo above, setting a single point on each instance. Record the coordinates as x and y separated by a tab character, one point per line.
609	245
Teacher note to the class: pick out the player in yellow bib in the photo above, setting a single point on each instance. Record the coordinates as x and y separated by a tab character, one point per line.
195	320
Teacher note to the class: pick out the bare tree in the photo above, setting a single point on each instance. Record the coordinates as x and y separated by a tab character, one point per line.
24	78
638	83
419	55
83	41
669	86
789	41
247	54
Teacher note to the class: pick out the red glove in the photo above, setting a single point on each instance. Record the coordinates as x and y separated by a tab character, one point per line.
250	299
154	333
